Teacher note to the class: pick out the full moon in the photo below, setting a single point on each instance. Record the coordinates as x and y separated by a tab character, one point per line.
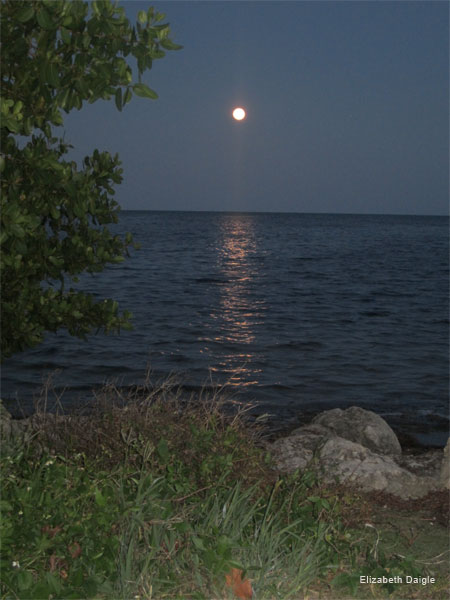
239	114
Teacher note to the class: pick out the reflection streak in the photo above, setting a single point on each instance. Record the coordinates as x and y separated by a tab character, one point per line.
239	312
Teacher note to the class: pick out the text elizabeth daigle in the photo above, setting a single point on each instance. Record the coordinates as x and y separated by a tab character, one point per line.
397	579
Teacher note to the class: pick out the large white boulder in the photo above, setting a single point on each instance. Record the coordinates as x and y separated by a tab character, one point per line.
363	427
348	462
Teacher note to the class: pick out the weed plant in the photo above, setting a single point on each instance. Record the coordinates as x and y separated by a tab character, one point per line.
153	497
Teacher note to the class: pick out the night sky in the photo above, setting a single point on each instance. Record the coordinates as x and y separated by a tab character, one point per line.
347	110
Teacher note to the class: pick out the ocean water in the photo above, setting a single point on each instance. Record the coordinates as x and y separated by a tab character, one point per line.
296	312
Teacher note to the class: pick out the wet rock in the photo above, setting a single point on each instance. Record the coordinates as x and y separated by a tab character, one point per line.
363	427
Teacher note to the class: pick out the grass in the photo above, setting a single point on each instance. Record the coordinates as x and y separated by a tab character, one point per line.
153	497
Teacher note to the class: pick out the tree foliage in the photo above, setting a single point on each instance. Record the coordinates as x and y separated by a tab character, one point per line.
55	56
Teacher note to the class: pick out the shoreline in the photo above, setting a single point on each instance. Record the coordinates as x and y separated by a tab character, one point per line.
430	437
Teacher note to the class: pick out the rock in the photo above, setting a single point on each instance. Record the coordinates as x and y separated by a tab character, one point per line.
344	461
445	467
424	464
363	427
296	450
13	433
358	447
5	422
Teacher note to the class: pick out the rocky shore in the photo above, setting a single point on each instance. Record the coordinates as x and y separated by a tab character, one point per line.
352	446
356	446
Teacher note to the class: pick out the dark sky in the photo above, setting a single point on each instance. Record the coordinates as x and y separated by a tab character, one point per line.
347	108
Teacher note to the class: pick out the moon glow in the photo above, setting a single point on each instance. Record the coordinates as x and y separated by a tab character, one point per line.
238	114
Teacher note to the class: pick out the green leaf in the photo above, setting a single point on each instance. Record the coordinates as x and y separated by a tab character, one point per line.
326	504
169	45
54	583
86	40
17	107
142	17
11	124
90	586
163	450
118	98
95	8
65	35
44	19
127	97
25	13
99	498
42	590
142	90
160	27
198	543
63	98
7	104
24	580
51	74
163	33
157	53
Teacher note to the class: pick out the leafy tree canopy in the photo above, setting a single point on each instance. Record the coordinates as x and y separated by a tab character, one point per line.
56	55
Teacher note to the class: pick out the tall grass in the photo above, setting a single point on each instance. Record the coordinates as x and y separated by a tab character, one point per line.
152	496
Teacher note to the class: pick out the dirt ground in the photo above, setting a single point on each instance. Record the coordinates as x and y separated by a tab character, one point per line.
398	529
417	529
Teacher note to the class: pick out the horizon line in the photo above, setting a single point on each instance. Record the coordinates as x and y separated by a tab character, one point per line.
283	212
